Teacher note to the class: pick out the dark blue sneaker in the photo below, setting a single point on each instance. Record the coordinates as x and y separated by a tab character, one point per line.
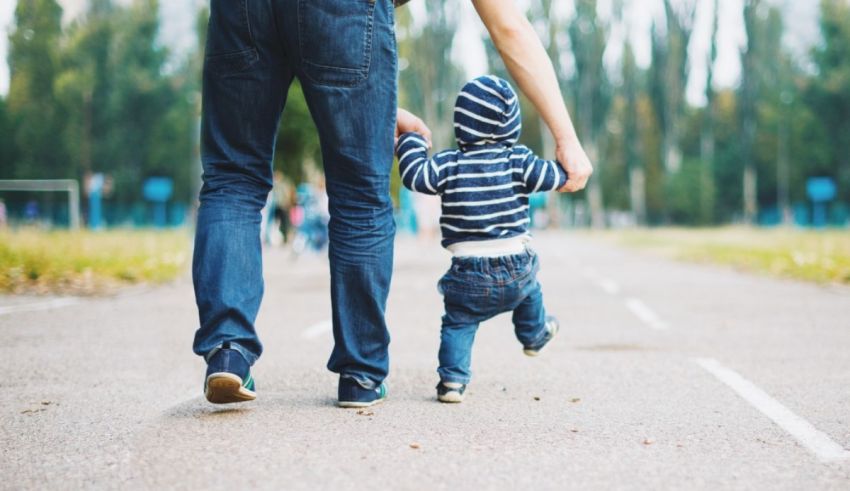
552	328
228	377
352	394
450	391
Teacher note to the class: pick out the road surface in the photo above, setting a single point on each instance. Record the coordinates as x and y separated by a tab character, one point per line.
665	375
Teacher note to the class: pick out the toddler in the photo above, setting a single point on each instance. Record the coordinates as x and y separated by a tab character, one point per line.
484	186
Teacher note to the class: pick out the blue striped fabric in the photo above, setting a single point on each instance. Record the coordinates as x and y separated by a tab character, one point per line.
485	184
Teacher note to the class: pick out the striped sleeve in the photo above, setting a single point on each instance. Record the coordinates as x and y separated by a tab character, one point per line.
418	172
540	175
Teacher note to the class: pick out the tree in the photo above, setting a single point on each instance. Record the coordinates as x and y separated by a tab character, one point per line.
669	75
33	66
431	80
747	107
631	135
707	139
829	92
588	38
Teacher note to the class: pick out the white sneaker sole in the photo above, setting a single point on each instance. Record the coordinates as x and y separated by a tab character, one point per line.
451	397
354	404
225	387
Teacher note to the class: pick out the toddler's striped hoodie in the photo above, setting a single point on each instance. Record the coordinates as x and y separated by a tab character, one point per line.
484	184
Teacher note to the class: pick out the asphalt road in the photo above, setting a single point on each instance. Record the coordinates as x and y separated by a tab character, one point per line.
665	375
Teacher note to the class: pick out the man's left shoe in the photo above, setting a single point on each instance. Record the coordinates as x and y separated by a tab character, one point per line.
228	377
353	395
552	328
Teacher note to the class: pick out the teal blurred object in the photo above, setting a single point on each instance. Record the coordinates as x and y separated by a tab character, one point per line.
406	215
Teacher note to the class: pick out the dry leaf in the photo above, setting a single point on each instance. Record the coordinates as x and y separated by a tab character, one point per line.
414	445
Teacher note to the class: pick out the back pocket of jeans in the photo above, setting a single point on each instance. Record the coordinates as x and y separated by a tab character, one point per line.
230	47
335	40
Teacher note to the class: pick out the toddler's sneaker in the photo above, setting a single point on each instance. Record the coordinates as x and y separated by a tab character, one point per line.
352	394
450	391
552	328
228	377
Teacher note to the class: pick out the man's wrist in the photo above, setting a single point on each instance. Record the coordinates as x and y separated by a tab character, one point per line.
567	140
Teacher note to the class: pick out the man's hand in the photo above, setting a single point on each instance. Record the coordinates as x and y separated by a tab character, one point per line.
575	162
406	122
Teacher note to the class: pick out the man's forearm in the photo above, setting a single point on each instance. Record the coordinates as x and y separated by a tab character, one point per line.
528	63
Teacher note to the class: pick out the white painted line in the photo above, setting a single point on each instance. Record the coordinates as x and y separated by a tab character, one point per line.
810	437
608	285
317	329
645	314
38	306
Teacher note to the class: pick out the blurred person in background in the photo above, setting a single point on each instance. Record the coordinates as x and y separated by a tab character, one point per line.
344	55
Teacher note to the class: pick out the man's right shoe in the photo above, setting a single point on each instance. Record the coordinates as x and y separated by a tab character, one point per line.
228	377
353	395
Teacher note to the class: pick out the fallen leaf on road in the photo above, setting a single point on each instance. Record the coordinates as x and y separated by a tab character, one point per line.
46	403
536	398
364	412
574	430
575	400
648	441
414	445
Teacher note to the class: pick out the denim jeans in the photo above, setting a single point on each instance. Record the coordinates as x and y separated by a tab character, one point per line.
344	55
477	288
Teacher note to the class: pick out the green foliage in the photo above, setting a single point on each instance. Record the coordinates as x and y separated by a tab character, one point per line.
104	95
829	92
297	139
100	97
34	65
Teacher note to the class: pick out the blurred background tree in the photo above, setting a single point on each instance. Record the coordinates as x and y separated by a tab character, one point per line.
102	93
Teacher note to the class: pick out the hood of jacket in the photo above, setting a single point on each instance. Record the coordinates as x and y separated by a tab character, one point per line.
487	112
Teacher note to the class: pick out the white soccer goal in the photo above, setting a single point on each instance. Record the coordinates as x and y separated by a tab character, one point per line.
70	186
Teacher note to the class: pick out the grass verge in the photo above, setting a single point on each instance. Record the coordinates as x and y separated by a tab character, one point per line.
817	256
34	261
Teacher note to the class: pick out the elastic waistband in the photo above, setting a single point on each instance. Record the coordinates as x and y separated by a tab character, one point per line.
490	248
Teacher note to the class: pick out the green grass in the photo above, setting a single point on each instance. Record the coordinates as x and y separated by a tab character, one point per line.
817	256
33	261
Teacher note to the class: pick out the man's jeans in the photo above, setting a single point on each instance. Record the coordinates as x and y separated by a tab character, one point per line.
477	288
344	55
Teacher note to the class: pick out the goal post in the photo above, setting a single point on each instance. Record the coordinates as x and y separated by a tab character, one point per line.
70	186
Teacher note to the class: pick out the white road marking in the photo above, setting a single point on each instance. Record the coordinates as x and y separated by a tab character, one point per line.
645	314
810	437
38	306
608	285
317	329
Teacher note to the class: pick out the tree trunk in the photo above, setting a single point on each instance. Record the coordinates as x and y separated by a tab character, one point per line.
637	193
